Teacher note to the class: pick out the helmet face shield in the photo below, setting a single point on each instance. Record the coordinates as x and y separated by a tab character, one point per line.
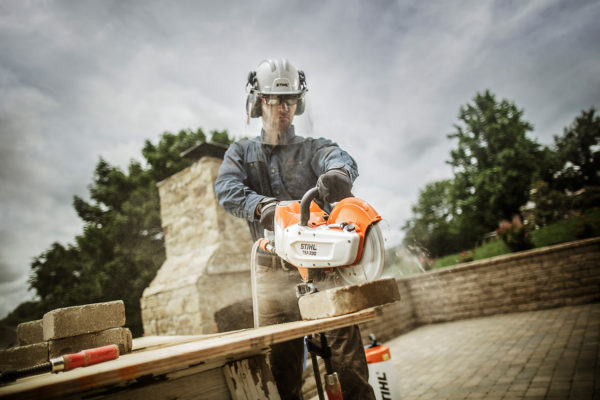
275	100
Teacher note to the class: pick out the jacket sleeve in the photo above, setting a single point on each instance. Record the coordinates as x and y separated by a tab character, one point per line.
233	194
328	155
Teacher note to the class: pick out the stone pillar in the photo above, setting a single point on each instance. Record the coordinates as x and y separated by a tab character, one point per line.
208	256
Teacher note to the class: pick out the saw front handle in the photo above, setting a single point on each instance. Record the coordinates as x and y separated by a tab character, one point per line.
305	205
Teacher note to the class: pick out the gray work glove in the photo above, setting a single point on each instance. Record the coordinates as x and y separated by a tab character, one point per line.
334	185
266	210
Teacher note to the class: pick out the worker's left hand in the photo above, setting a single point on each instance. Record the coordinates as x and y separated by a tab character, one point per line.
334	185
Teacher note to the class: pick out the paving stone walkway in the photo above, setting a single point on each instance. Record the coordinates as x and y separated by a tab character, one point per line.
548	354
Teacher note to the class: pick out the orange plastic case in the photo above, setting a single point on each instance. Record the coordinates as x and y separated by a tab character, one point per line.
349	210
377	354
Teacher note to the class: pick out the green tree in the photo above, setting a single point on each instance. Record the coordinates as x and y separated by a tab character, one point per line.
164	159
122	243
221	137
433	226
550	204
493	163
578	152
54	275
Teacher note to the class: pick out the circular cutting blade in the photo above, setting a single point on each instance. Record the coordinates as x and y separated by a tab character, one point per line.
371	262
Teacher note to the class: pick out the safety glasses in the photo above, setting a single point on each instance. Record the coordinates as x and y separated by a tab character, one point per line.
274	100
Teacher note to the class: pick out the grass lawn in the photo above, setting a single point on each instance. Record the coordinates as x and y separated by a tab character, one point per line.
587	225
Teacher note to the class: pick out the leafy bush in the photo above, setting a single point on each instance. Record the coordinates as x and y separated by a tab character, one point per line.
577	226
466	256
583	229
514	234
487	250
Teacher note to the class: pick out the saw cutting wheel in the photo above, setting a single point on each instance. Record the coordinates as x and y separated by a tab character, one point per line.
371	263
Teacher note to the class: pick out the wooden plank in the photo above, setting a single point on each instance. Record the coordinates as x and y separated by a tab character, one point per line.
251	378
202	382
163	360
206	385
147	342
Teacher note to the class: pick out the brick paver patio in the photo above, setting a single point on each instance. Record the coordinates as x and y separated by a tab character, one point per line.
548	354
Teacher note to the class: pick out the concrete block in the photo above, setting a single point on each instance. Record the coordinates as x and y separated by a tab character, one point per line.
119	336
79	320
23	356
30	333
348	299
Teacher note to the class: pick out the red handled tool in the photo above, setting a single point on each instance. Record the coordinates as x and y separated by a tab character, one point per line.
65	363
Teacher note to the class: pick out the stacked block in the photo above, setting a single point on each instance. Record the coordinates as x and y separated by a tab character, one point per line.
30	333
23	356
68	330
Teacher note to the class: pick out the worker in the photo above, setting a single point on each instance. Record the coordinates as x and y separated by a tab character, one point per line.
280	165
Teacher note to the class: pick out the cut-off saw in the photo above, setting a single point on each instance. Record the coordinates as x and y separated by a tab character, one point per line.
348	241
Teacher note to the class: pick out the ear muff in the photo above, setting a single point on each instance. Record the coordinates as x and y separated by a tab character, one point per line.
300	105
303	88
253	108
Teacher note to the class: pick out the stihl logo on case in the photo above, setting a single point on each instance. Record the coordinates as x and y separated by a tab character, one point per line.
308	249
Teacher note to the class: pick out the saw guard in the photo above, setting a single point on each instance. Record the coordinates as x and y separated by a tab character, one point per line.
370	265
358	213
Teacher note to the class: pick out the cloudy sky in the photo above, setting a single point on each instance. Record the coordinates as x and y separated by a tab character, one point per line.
81	80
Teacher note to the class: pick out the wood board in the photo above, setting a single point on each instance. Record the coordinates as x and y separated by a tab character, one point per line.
225	347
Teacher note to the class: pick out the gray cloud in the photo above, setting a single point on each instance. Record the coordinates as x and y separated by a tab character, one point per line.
80	80
8	274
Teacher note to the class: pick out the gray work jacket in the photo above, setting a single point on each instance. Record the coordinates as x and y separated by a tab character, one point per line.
252	170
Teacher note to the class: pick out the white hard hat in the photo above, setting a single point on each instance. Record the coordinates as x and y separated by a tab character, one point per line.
274	77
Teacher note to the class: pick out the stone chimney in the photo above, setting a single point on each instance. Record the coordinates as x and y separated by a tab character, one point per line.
207	268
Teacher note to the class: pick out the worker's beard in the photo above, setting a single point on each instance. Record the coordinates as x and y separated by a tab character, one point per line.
274	126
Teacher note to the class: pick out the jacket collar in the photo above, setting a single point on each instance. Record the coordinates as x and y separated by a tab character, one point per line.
283	137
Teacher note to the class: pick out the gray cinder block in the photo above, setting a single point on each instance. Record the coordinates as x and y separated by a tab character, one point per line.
348	299
119	336
79	320
23	356
30	332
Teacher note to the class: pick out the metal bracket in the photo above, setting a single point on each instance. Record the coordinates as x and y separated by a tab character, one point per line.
305	288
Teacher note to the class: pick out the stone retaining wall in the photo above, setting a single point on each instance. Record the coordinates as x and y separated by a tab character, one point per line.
548	277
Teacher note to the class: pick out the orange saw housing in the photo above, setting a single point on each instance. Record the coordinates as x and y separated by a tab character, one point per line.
349	211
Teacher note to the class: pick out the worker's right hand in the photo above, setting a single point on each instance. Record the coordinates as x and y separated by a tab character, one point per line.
266	211
334	185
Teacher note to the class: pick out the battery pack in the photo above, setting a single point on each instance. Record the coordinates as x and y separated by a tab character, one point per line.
381	373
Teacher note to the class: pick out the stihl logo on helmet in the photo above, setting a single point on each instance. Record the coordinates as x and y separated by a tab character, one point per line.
282	84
